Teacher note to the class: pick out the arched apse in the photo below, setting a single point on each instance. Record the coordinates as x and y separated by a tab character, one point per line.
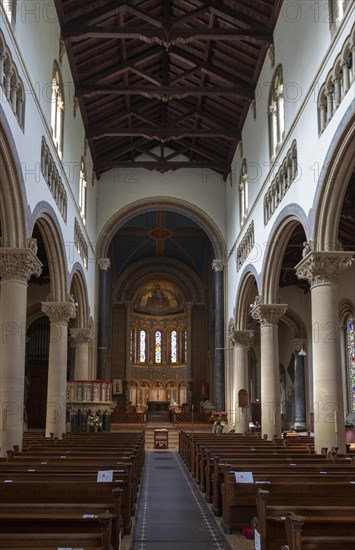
79	290
287	235
12	195
336	172
162	203
55	252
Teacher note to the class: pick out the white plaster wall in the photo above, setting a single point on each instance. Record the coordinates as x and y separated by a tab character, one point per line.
120	187
306	63
34	45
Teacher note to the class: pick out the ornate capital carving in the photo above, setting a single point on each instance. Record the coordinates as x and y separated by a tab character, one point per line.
218	265
267	313
59	312
104	263
323	267
242	338
20	263
81	335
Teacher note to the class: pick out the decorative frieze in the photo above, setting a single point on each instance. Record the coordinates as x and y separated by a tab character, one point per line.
246	245
80	243
323	267
20	263
283	180
11	83
51	175
337	83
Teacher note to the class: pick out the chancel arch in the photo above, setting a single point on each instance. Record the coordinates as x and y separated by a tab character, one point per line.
163	287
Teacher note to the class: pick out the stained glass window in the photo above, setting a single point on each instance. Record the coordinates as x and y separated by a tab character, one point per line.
350	344
158	347
173	344
142	346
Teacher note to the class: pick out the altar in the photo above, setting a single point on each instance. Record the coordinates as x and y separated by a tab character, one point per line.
158	405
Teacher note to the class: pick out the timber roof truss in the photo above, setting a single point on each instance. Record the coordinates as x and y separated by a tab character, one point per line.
165	84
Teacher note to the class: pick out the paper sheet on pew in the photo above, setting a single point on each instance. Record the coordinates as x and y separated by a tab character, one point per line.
257	540
104	476
244	477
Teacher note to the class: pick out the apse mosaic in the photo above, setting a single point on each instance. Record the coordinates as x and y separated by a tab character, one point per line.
158	298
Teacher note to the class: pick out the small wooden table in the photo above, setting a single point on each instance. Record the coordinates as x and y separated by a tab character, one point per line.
161	438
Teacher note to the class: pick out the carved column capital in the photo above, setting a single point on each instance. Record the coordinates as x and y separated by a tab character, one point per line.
82	335
241	338
19	263
323	267
218	265
267	313
104	264
59	312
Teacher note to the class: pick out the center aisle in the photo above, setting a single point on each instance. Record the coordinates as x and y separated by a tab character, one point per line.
171	514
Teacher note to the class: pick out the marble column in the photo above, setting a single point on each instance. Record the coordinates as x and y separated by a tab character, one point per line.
322	269
82	338
16	268
300	422
102	337
268	315
188	347
241	340
59	314
217	266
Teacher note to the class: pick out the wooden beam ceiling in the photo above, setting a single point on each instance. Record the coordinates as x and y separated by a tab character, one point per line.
165	84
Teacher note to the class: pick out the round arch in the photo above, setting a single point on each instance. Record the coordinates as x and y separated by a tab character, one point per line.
335	174
12	194
79	290
242	307
274	255
162	203
53	242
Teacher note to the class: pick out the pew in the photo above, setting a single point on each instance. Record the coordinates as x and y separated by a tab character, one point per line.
320	520
63	531
296	540
239	499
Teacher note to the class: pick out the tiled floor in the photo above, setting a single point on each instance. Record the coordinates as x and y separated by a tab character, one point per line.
172	515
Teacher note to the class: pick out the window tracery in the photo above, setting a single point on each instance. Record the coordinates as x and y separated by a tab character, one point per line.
276	112
83	191
57	109
243	192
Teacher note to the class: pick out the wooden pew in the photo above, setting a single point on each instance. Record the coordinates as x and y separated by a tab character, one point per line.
239	499
94	534
320	520
296	540
269	469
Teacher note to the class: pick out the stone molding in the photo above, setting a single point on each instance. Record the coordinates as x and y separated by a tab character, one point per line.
104	264
323	267
59	312
267	313
20	263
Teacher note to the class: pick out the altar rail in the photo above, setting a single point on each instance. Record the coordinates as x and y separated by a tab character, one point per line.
199	418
